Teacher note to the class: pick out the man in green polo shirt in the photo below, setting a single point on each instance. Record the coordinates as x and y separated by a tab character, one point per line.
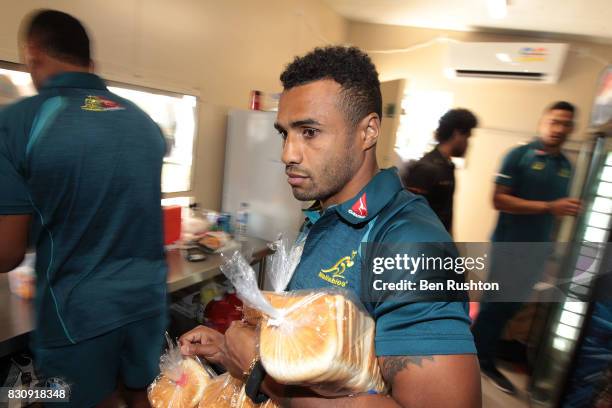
329	121
531	189
80	170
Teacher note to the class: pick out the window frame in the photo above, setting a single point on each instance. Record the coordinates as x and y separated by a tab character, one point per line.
15	66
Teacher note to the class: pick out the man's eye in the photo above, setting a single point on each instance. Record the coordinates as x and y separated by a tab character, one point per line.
561	123
283	135
309	132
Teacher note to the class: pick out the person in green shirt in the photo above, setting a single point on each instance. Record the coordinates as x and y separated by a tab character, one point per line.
80	170
329	123
531	189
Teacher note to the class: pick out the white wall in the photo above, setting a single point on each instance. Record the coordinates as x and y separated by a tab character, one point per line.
220	50
508	110
223	49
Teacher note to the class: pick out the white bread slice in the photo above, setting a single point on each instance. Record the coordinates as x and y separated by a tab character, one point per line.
226	391
305	343
221	392
165	393
325	341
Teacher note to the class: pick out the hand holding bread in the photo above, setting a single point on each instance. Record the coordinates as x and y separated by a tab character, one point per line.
322	339
203	342
181	381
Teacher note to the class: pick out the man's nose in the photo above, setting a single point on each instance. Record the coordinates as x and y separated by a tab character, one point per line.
292	150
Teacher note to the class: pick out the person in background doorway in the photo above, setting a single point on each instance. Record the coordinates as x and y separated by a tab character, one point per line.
530	190
80	170
433	176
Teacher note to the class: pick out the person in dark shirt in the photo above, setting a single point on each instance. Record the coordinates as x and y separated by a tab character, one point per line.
433	176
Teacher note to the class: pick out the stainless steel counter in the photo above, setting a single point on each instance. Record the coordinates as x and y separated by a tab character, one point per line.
17	315
182	274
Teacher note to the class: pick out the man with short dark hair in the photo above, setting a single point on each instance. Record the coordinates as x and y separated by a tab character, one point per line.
329	121
531	189
433	176
532	185
82	167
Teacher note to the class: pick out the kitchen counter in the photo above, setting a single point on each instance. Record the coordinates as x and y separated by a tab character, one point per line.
17	315
182	274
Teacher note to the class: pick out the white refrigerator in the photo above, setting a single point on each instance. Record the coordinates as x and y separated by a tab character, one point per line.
254	174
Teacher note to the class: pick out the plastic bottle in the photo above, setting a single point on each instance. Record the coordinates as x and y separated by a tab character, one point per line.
242	219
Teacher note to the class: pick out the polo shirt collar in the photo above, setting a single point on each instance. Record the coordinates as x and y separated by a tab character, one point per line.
313	213
372	198
537	144
83	80
366	204
540	150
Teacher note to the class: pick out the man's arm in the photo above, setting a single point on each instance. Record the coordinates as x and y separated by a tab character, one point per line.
13	240
505	201
416	381
449	381
433	381
15	205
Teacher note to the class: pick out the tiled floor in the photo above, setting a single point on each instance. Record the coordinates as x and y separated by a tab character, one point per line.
494	398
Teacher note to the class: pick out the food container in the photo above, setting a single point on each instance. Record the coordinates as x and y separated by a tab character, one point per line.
22	280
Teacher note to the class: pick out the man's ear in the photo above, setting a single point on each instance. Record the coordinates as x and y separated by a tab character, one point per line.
456	134
27	54
33	55
370	130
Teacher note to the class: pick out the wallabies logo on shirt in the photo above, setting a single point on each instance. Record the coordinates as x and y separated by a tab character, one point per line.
100	104
335	274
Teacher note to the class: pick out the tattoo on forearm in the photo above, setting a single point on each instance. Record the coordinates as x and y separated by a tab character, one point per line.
390	366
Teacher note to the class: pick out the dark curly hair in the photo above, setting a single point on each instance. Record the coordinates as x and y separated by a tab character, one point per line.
348	66
455	119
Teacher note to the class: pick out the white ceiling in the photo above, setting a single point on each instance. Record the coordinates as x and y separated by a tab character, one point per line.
591	18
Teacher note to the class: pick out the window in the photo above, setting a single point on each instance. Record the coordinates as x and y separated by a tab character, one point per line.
14	84
421	111
174	113
176	116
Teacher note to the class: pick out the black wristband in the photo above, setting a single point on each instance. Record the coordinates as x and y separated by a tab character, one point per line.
253	384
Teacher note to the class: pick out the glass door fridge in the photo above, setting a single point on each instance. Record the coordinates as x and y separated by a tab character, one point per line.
573	365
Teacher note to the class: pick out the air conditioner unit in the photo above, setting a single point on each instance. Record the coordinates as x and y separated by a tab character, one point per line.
538	62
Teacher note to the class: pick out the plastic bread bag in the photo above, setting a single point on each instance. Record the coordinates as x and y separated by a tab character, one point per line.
226	391
279	272
283	263
222	392
181	382
321	339
243	401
